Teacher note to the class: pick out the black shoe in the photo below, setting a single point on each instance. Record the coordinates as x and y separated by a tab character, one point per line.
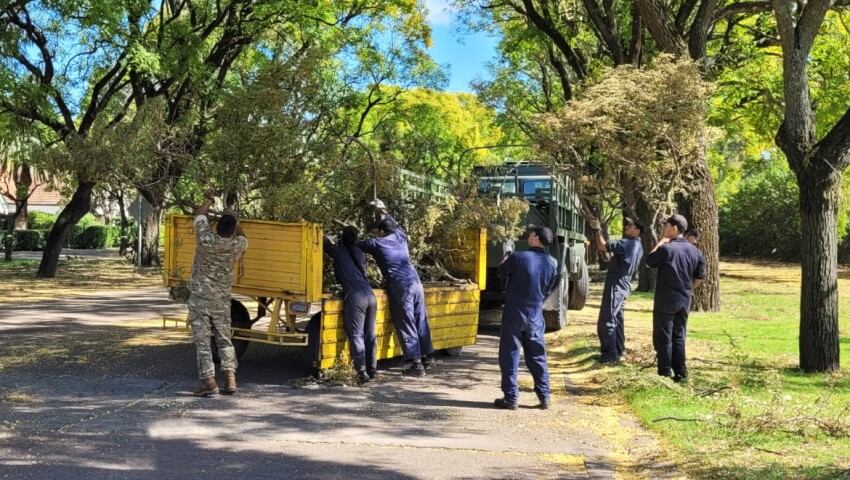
545	403
504	404
363	377
373	374
414	370
429	362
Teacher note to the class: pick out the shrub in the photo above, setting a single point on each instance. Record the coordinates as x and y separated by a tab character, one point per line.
27	239
40	220
762	219
94	236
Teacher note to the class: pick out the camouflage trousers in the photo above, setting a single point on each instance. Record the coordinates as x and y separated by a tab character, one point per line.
211	319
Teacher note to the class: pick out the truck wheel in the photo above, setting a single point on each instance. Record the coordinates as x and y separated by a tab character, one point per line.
239	318
579	288
554	319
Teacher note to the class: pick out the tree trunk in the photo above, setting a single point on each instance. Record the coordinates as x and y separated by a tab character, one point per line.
23	184
150	226
703	216
79	205
21	216
648	240
150	238
8	243
124	241
819	338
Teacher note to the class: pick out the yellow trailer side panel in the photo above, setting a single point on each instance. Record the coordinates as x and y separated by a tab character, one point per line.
466	256
452	317
282	260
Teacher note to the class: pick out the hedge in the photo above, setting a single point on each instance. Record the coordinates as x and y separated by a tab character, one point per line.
27	239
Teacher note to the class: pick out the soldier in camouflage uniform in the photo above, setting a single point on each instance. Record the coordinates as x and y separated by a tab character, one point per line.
209	299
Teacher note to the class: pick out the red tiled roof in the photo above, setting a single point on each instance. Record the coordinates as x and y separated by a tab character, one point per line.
43	194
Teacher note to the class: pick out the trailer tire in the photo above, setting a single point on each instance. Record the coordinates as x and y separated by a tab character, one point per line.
453	352
239	318
579	288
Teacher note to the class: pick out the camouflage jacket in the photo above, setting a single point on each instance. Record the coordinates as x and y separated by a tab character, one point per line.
212	271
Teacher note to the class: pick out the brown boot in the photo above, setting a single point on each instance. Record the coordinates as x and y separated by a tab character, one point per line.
230	385
207	388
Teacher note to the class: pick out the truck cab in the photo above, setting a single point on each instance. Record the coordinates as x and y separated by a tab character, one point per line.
553	203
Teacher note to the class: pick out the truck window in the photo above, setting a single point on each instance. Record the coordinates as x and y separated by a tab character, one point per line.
530	187
497	185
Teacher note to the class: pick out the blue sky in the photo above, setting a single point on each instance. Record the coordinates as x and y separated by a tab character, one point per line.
465	54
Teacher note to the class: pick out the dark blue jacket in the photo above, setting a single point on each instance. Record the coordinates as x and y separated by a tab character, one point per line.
393	258
626	255
679	263
530	276
349	267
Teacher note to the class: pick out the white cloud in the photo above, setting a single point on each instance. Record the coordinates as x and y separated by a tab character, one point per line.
439	12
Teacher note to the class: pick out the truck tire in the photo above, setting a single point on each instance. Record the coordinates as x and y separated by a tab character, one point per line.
554	319
579	288
557	319
239	318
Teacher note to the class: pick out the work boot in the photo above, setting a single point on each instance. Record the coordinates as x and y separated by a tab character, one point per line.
504	404
414	370
429	362
207	388
230	383
363	377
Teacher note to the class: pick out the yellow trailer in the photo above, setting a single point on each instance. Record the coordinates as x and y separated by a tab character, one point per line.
283	269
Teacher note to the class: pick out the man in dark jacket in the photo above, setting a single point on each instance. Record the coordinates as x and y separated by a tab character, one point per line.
529	278
405	292
626	254
681	268
360	305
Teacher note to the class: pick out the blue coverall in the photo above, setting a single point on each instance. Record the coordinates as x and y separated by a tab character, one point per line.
618	286
530	276
679	263
360	306
406	295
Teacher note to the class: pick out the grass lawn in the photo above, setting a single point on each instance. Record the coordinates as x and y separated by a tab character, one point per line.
74	277
748	411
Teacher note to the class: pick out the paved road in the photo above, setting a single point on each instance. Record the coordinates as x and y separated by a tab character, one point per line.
90	391
89	254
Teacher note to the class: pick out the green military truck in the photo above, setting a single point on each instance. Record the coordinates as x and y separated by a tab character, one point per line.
553	203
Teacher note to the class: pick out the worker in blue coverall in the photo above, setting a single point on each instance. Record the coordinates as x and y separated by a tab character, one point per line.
359	301
681	269
529	278
626	254
405	292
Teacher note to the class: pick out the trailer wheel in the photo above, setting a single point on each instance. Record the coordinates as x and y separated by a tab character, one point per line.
579	288
239	318
453	352
309	355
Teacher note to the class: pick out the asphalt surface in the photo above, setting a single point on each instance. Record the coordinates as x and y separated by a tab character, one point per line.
91	388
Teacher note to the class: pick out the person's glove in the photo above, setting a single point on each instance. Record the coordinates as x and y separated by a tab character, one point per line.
594	224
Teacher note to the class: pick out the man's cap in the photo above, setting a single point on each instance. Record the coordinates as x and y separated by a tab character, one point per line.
545	235
678	221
